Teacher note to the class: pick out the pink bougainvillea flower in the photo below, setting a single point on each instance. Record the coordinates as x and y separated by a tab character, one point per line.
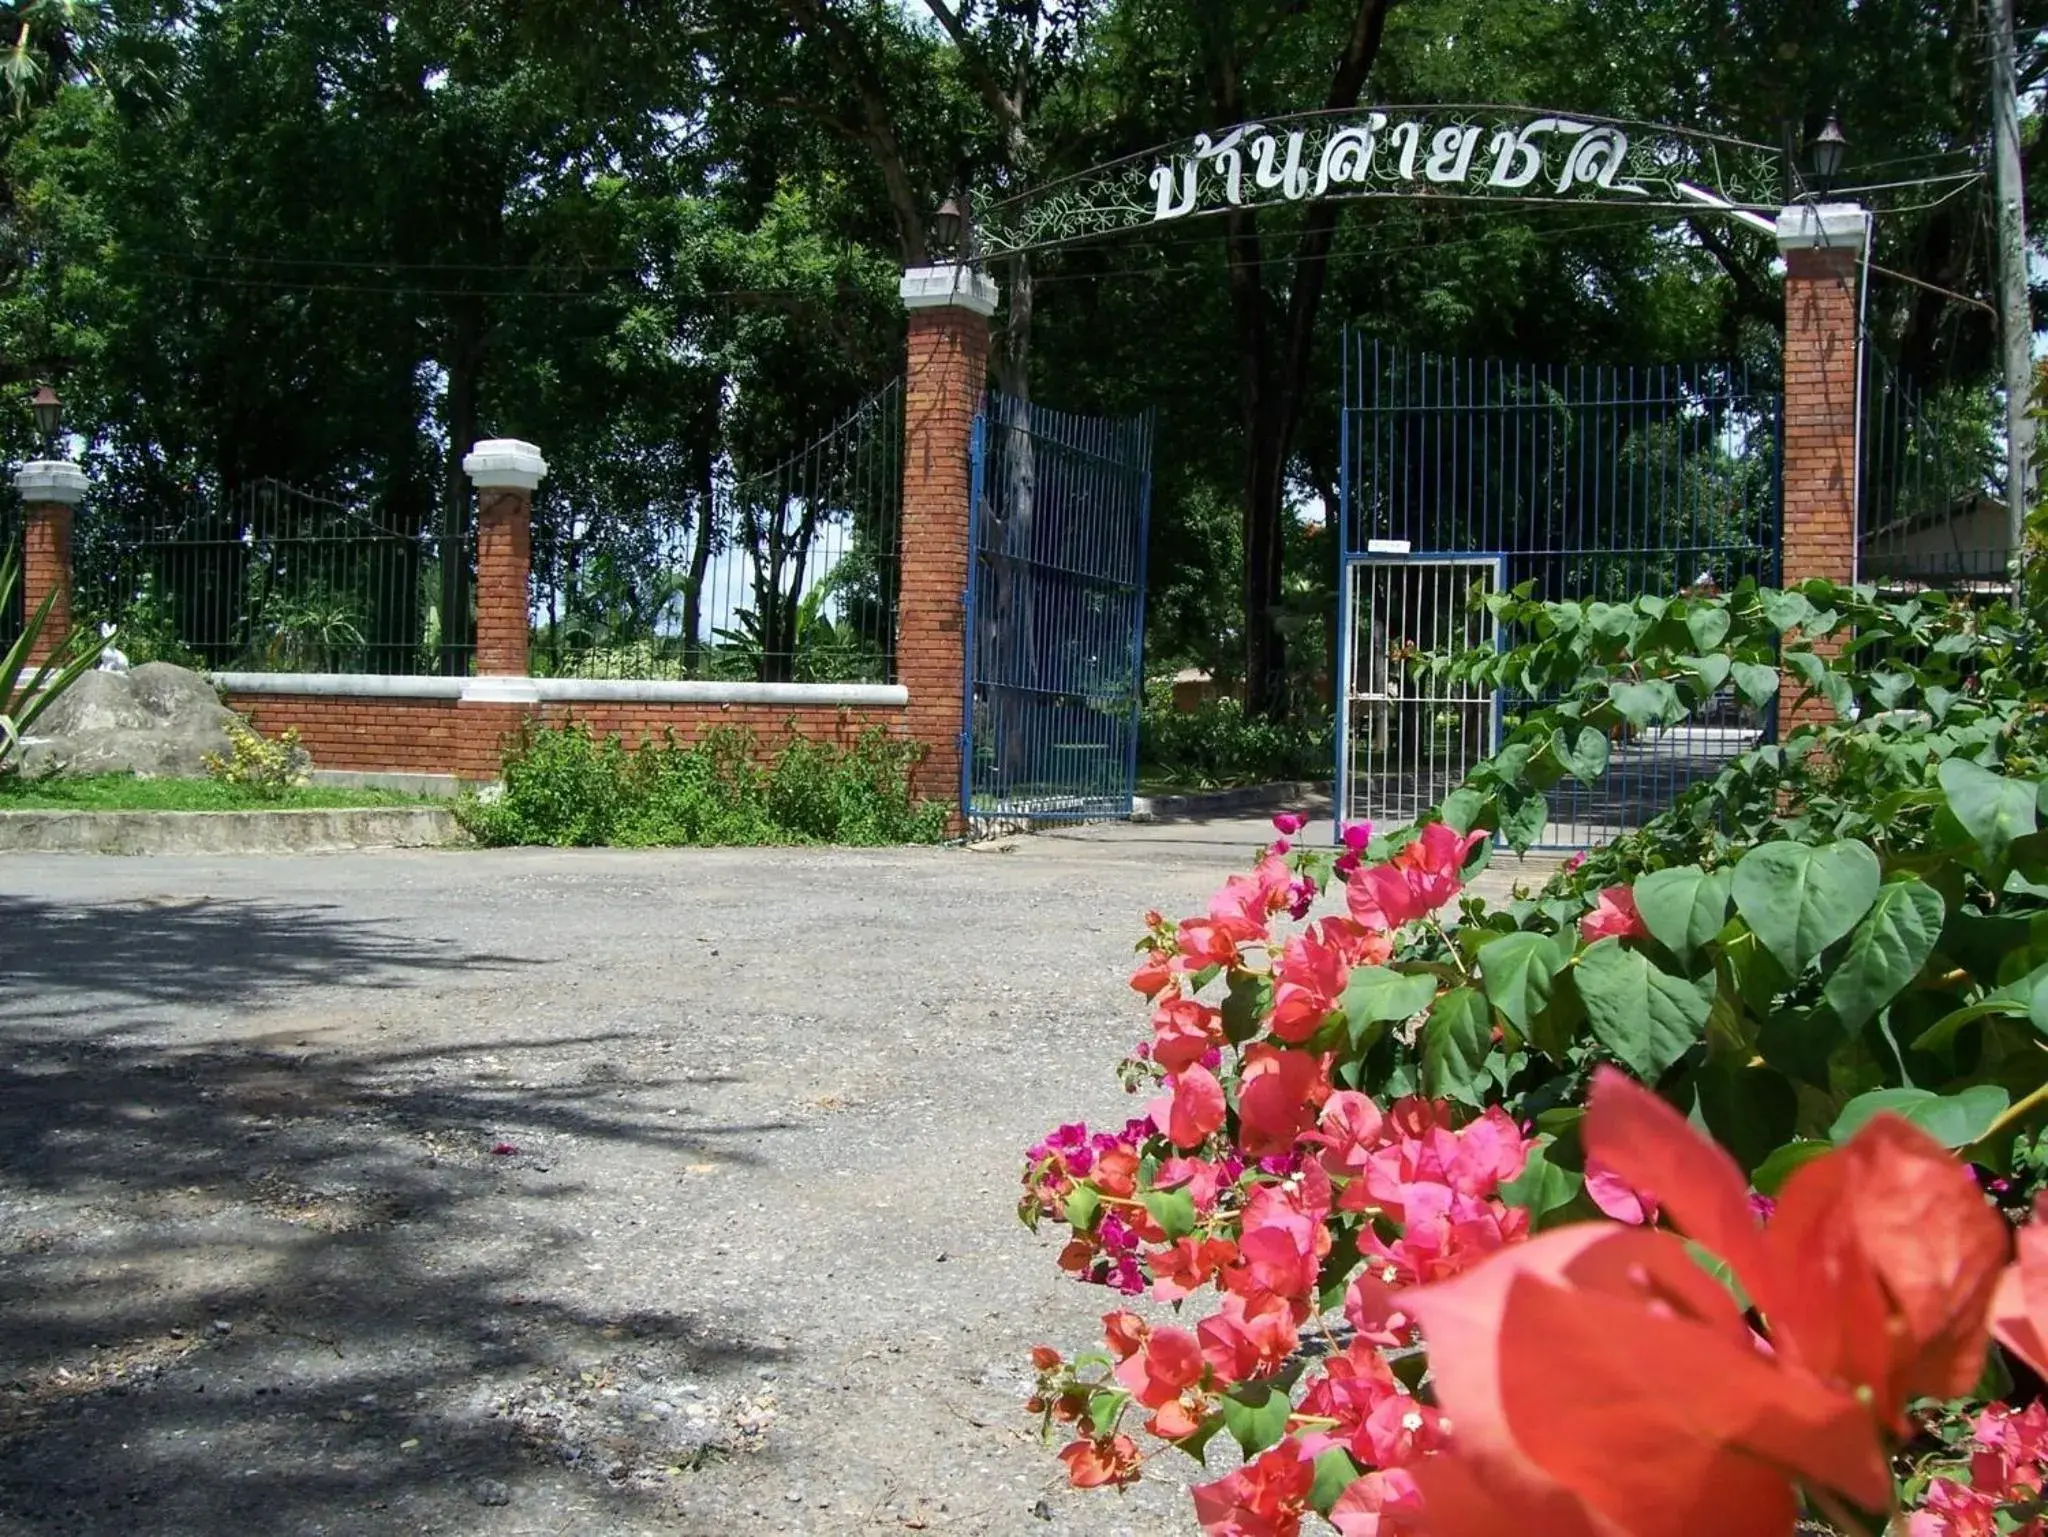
1575	861
1311	977
1183	1032
1356	836
1954	1510
1875	1276
1187	1265
1354	1382
1281	1245
1278	1095
1191	1111
1288	823
1249	1336
1418	880
1617	1198
1264	1498
1356	943
1205	1180
1098	1460
1206	942
2009	1447
2020	1314
1384	1503
1614	916
1346	866
1349	1132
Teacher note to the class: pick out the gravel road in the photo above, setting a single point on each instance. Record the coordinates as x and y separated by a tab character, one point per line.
537	1192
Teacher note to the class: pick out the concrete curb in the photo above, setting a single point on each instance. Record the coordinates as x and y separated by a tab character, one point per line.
226	832
1283	795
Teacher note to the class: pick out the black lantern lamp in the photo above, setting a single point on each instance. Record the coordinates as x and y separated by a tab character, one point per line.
948	224
49	411
1825	155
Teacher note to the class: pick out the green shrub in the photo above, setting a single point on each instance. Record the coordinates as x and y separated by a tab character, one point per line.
1218	745
566	788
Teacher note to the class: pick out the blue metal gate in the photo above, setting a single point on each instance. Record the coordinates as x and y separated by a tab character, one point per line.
1585	482
1055	615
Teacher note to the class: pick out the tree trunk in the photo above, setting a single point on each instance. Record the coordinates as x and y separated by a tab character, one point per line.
700	557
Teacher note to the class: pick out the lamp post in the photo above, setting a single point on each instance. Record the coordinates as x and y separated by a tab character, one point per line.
1825	155
948	224
49	414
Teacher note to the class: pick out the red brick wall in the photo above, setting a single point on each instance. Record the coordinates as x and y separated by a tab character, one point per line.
948	367
46	568
1820	431
445	736
504	561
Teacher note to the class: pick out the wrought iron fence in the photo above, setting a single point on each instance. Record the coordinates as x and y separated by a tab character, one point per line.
10	542
1583	481
792	577
1930	511
268	578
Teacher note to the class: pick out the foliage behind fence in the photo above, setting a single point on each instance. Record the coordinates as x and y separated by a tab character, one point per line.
269	578
793	576
1930	512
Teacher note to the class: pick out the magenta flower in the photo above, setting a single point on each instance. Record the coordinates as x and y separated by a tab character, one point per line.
1357	835
1288	823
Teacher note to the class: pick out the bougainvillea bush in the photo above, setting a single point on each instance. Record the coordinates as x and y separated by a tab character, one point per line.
1674	1197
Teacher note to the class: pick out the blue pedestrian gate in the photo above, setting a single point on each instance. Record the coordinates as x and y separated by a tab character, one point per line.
1463	478
1055	615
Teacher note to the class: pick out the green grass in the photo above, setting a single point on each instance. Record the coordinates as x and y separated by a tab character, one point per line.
125	792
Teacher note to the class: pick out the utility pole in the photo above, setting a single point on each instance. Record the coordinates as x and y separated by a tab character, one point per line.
2016	319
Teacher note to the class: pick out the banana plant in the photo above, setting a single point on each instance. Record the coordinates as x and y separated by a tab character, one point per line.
25	694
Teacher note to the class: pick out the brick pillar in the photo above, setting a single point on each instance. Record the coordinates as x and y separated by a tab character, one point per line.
947	371
50	491
505	472
1823	248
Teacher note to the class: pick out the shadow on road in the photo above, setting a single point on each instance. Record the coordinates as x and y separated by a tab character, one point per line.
255	1287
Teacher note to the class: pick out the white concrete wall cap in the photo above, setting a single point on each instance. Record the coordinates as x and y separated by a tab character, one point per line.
1834	226
504	464
949	286
51	480
340	685
513	690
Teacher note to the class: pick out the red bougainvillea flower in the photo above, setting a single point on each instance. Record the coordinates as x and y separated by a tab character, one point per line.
1418	880
1191	1111
1154	974
1282	1242
1264	1498
1099	1460
1169	1364
1614	916
1278	1095
1877	1268
1601	1382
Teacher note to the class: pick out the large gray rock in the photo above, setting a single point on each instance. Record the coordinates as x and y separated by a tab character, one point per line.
159	721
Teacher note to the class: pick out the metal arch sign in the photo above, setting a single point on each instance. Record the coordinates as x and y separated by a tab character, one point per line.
1512	154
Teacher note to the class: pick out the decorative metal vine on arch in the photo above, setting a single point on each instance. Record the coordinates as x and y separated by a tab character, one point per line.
1512	154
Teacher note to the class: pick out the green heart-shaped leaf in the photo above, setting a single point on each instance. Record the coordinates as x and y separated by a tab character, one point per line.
1798	899
1885	952
1683	908
1646	1018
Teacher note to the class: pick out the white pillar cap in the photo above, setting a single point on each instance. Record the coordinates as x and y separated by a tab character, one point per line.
950	285
1824	226
504	464
46	481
